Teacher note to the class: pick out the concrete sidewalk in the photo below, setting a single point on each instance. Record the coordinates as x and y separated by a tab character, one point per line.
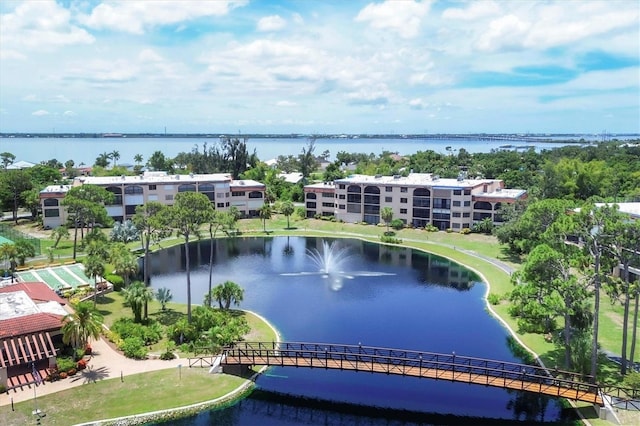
105	363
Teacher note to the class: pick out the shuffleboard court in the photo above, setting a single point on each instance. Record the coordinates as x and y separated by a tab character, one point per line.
58	277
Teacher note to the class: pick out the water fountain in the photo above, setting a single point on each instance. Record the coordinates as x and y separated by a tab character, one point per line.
331	261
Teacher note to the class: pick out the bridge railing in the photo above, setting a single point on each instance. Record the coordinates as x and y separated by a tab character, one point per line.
405	362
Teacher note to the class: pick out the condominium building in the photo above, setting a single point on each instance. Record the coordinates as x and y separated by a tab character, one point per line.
133	191
419	199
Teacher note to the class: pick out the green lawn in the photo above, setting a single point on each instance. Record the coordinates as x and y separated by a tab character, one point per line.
445	244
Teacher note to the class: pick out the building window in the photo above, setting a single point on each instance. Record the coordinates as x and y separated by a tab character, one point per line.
457	192
466	214
220	205
404	189
455	225
354	208
403	211
342	197
133	189
388	199
238	193
388	189
220	195
168	197
341	186
327	195
255	194
311	205
187	188
467	192
51	213
341	206
152	187
456	214
403	201
328	205
456	204
50	202
467	203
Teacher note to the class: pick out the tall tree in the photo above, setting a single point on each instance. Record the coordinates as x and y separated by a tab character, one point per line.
287	209
124	262
7	159
86	206
59	233
189	211
152	221
115	156
265	213
387	215
307	160
13	183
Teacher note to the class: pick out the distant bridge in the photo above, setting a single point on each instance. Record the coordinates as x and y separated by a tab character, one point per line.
430	365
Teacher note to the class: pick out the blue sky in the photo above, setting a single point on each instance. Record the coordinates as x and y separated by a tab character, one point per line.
308	66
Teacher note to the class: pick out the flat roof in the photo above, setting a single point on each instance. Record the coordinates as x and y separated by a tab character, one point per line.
416	179
155	177
16	304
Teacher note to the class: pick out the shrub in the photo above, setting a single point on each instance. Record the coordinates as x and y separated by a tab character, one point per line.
72	372
167	355
63	375
66	364
149	334
449	230
494	299
81	365
116	280
430	228
133	347
397	224
632	380
465	231
3	388
390	239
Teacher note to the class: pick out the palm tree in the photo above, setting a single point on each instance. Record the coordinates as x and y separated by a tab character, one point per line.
387	215
164	296
124	262
227	293
94	268
287	210
265	213
134	297
81	325
116	156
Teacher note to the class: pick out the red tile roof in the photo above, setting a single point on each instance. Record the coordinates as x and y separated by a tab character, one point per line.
38	292
30	324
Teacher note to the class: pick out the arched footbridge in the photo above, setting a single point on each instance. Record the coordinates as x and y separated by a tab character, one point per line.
452	367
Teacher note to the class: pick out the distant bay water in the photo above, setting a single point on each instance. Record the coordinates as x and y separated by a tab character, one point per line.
86	150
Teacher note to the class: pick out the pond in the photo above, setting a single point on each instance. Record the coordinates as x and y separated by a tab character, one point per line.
363	293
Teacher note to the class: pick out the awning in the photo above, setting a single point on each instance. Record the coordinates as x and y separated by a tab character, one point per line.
25	349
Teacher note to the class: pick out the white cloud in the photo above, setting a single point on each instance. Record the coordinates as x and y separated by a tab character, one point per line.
271	23
402	17
41	25
287	104
69	114
417	103
475	11
40	113
136	16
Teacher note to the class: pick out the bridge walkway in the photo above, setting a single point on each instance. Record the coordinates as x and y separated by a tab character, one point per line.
430	365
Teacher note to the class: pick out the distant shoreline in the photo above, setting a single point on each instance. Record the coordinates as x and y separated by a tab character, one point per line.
534	137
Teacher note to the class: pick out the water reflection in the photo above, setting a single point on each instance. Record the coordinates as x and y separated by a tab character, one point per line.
414	301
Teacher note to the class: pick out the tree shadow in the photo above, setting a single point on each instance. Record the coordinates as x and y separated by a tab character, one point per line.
167	317
291	228
91	375
507	255
104	300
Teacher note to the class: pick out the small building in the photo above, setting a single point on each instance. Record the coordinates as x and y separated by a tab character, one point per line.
30	325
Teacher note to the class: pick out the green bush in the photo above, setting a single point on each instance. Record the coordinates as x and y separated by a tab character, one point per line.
133	347
632	380
149	334
116	280
430	228
494	299
465	231
66	363
389	239
397	224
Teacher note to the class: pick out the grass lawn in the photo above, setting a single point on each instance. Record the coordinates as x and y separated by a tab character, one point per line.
449	245
112	398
